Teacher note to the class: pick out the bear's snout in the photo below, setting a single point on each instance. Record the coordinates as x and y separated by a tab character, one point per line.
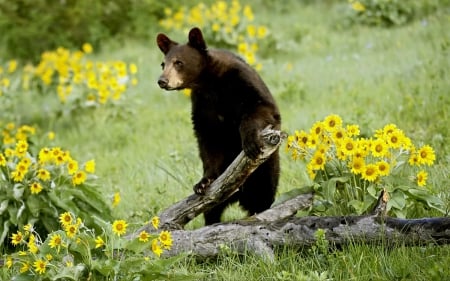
163	82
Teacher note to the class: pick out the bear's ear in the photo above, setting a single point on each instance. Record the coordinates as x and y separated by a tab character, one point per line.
164	43
196	39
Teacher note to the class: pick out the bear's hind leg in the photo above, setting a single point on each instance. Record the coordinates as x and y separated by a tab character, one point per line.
258	192
214	215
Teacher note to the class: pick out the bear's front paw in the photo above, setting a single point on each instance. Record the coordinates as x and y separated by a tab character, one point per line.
202	185
252	149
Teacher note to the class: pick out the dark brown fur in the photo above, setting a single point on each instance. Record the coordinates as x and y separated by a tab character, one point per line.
230	106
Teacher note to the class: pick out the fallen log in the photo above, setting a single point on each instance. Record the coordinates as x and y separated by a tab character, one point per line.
278	225
261	236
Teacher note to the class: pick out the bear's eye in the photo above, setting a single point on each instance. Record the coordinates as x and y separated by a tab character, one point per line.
178	63
162	65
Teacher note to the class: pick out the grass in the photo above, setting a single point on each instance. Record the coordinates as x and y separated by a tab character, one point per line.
370	76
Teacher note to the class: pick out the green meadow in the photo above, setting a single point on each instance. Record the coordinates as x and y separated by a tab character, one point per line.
316	62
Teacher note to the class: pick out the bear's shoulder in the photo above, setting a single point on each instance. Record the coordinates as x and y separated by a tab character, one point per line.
222	62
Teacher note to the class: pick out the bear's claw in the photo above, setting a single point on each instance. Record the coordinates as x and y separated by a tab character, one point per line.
202	185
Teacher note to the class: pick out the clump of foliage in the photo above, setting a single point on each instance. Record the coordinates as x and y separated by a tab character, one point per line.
350	171
29	28
391	12
224	24
77	252
78	81
37	183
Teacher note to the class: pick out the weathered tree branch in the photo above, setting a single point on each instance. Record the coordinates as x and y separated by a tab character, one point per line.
179	214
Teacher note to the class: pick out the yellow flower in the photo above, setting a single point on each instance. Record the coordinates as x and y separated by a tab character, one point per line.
12	66
352	130
40	266
99	242
25	267
422	177
248	13
311	172
78	178
383	168
9	262
370	172
116	199
332	122
262	32
155	222
2	160
357	6
133	68
17	175
338	135
379	148
413	158
312	141
43	174
156	247
357	165
119	227
395	139
251	31
49	257
28	227
51	135
55	241
71	230
348	146
45	155
65	219
16	238
426	155
90	166
36	188
72	167
144	236
302	138
21	148
87	48
166	239
317	129
32	245
318	161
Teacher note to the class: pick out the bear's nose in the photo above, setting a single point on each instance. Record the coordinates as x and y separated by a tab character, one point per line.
162	82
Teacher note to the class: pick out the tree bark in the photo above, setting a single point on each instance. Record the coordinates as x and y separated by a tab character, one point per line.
261	237
278	225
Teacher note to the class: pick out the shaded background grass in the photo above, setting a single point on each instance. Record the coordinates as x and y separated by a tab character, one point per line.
315	64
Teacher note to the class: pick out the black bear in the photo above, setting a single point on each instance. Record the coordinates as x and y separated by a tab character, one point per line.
230	106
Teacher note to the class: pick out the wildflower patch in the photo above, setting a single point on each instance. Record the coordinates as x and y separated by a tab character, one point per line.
346	167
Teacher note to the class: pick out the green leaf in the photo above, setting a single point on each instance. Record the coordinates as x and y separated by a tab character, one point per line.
23	277
357	205
18	191
424	196
397	201
4	232
329	186
72	273
105	267
35	204
3	206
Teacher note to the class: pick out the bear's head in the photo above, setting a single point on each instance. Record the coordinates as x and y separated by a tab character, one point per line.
182	64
